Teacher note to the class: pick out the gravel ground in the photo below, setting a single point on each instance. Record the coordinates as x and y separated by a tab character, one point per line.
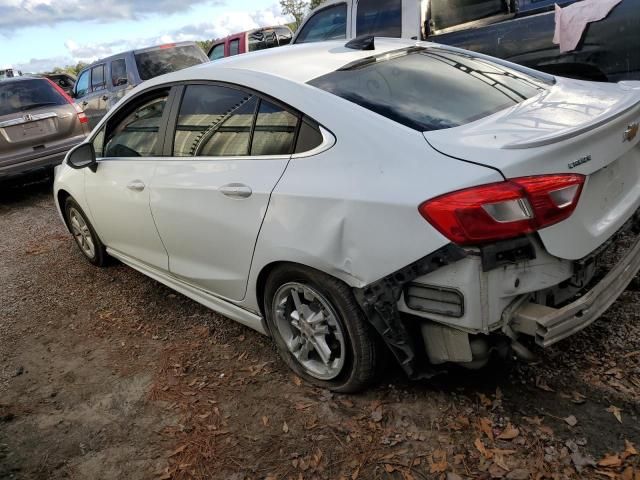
106	374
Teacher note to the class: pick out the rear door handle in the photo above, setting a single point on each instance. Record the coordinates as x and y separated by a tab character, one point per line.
84	104
136	186
236	190
105	98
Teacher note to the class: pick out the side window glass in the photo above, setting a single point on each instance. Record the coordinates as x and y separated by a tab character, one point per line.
451	13
214	121
98	143
82	85
137	134
97	78
382	18
275	131
217	52
234	47
119	73
327	24
309	137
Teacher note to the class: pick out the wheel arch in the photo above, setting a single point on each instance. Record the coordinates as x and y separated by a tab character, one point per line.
61	197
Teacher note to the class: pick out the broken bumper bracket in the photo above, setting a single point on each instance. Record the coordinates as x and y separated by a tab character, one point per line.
379	300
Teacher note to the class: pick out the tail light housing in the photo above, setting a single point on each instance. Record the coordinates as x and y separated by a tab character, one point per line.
503	210
82	117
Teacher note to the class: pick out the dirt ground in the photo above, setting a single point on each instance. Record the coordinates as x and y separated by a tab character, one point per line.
106	374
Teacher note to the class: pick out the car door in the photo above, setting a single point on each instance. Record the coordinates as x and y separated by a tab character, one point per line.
118	193
209	199
82	93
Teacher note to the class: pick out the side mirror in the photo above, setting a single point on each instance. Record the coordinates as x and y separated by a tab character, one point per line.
82	156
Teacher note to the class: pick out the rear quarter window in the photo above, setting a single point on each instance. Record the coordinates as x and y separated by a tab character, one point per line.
430	88
167	59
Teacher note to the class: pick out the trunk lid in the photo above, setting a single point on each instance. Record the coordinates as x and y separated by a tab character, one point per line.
573	127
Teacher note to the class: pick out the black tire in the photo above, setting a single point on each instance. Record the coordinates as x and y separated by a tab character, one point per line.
360	341
100	256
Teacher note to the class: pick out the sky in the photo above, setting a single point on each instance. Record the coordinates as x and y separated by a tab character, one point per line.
38	35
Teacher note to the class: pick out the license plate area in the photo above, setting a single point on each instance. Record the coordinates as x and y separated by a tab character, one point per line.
29	127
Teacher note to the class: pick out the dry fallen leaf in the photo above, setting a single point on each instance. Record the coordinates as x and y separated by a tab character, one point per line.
629	449
610	461
616	412
627	474
440	463
265	421
542	385
178	450
481	448
486	427
285	427
571	420
509	433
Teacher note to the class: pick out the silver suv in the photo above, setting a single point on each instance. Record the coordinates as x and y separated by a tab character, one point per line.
102	84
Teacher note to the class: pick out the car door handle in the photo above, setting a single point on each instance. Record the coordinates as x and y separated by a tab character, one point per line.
105	97
84	104
236	190
136	186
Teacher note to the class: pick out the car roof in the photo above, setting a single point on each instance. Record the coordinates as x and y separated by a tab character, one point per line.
21	79
297	63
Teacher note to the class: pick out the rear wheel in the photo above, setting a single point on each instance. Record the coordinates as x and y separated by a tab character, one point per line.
84	234
319	329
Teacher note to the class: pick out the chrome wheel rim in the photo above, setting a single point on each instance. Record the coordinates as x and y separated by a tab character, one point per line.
81	233
310	328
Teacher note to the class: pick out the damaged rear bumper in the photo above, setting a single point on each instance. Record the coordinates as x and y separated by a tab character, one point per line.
550	325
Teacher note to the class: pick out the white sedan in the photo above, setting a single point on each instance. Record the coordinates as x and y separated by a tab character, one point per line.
379	195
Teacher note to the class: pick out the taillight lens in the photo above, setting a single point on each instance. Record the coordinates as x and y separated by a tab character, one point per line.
499	211
82	117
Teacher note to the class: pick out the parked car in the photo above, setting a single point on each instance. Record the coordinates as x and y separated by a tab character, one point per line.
65	81
9	73
103	83
440	200
520	31
250	41
38	125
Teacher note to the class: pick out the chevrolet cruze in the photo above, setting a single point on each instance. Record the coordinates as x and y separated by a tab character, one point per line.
379	195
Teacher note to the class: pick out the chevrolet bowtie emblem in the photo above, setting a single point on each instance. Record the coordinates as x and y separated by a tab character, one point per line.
631	132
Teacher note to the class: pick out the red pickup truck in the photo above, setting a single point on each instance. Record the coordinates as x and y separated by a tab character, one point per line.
249	41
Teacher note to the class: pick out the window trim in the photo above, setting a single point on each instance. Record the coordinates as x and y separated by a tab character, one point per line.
88	90
481	22
181	87
317	12
104	77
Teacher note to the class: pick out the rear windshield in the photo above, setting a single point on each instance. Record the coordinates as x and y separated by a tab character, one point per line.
431	88
167	59
24	95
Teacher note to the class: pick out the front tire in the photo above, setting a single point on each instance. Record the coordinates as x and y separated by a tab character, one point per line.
319	329
84	234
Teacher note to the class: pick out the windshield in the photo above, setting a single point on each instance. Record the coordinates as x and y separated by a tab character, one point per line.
167	59
23	95
431	88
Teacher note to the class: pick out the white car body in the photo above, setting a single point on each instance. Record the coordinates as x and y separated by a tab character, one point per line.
349	208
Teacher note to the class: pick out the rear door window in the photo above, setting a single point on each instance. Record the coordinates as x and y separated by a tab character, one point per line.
217	52
167	59
214	121
382	18
234	47
431	88
82	85
119	73
275	130
98	81
327	24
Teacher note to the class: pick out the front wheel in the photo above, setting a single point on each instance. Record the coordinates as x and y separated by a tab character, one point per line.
84	234
320	331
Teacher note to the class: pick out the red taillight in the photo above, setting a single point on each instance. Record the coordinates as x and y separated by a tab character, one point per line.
82	117
167	45
503	210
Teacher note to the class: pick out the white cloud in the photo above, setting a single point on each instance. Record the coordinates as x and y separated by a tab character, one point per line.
17	14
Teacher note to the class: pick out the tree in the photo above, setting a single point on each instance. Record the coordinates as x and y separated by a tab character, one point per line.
205	45
315	3
296	8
